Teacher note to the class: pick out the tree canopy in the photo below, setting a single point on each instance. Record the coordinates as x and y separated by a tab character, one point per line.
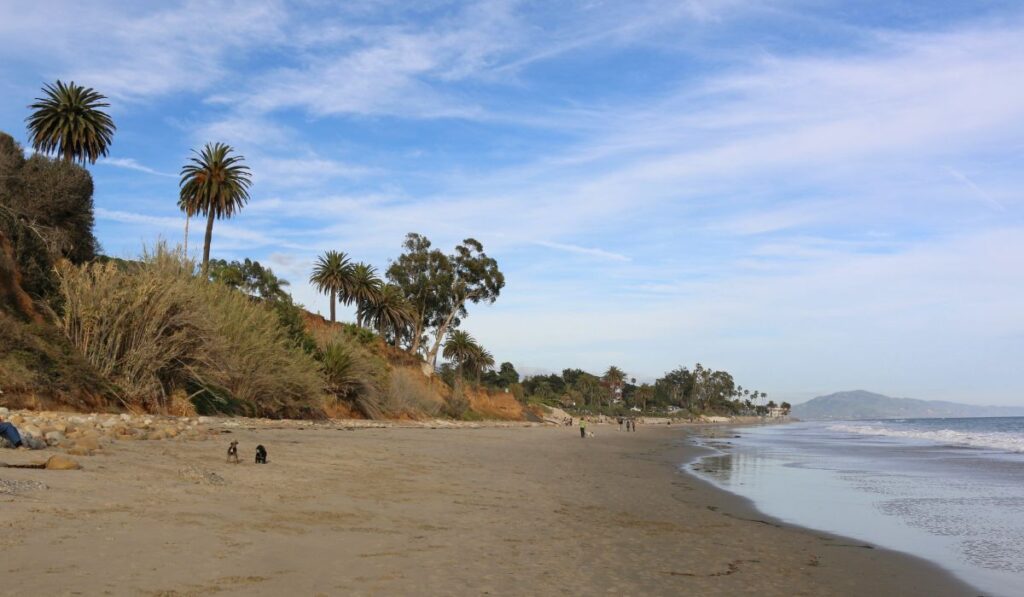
439	287
68	121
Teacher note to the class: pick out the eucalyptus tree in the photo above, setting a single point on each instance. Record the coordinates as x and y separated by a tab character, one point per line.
440	286
69	121
364	290
214	183
332	274
422	273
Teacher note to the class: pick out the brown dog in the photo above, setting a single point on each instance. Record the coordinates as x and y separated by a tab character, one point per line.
233	452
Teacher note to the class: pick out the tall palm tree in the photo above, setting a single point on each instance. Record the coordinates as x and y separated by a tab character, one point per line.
68	121
460	348
216	184
390	312
332	273
364	291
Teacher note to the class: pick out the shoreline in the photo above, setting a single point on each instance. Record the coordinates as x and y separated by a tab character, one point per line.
744	507
498	510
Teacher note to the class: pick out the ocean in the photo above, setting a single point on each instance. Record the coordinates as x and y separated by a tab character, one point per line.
947	490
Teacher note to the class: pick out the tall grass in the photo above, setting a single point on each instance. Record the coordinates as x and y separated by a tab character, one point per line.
155	328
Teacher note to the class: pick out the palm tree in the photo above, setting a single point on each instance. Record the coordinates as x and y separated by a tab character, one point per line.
68	121
481	360
364	291
332	273
390	312
614	378
460	348
216	184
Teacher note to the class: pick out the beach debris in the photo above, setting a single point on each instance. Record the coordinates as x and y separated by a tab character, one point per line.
14	486
200	476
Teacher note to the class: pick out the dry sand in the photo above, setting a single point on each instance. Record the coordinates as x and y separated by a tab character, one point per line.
525	511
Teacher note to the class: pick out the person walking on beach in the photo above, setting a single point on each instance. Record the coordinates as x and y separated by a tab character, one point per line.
620	424
10	433
583	427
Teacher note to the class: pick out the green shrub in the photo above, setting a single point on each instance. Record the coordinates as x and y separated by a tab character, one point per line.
354	376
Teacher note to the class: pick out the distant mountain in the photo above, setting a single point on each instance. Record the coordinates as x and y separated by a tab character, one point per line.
859	404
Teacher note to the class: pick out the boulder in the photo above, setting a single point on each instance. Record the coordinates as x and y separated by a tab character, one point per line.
62	463
55	438
79	451
33	442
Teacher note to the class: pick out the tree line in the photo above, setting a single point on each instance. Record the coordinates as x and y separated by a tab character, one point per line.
418	305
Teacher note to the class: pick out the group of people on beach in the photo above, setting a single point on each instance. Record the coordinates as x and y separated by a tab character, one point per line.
625	423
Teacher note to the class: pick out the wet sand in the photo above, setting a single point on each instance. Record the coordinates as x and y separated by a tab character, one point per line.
499	511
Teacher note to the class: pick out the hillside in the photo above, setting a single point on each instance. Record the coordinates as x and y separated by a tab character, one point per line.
860	404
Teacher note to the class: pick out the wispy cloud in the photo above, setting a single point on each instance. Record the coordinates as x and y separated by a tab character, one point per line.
131	164
978	191
588	251
802	209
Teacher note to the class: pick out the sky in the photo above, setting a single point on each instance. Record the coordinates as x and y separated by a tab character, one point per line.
811	194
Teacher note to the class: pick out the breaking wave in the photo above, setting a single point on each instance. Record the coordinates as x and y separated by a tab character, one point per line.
992	440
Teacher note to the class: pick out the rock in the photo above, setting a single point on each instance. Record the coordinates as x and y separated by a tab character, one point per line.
79	451
55	438
89	443
33	443
62	463
29	429
3	411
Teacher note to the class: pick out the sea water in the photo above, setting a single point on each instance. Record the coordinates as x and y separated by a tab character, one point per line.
947	490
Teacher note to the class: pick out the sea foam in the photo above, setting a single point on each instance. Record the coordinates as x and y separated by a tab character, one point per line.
993	440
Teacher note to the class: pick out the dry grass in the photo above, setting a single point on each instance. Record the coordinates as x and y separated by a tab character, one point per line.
410	394
156	329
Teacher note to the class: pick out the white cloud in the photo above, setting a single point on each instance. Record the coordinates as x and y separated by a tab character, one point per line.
589	251
131	164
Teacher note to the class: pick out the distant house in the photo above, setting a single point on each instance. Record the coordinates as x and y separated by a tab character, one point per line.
776	412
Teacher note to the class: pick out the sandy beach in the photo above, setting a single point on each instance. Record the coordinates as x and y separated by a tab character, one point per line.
484	511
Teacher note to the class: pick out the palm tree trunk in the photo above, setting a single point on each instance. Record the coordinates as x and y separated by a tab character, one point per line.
187	218
206	244
333	294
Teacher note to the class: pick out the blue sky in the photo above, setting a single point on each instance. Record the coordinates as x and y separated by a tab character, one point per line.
813	195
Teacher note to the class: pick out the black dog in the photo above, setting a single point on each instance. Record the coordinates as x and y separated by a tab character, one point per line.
233	452
261	454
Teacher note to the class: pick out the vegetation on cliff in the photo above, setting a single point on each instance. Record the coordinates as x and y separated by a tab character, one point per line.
163	334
